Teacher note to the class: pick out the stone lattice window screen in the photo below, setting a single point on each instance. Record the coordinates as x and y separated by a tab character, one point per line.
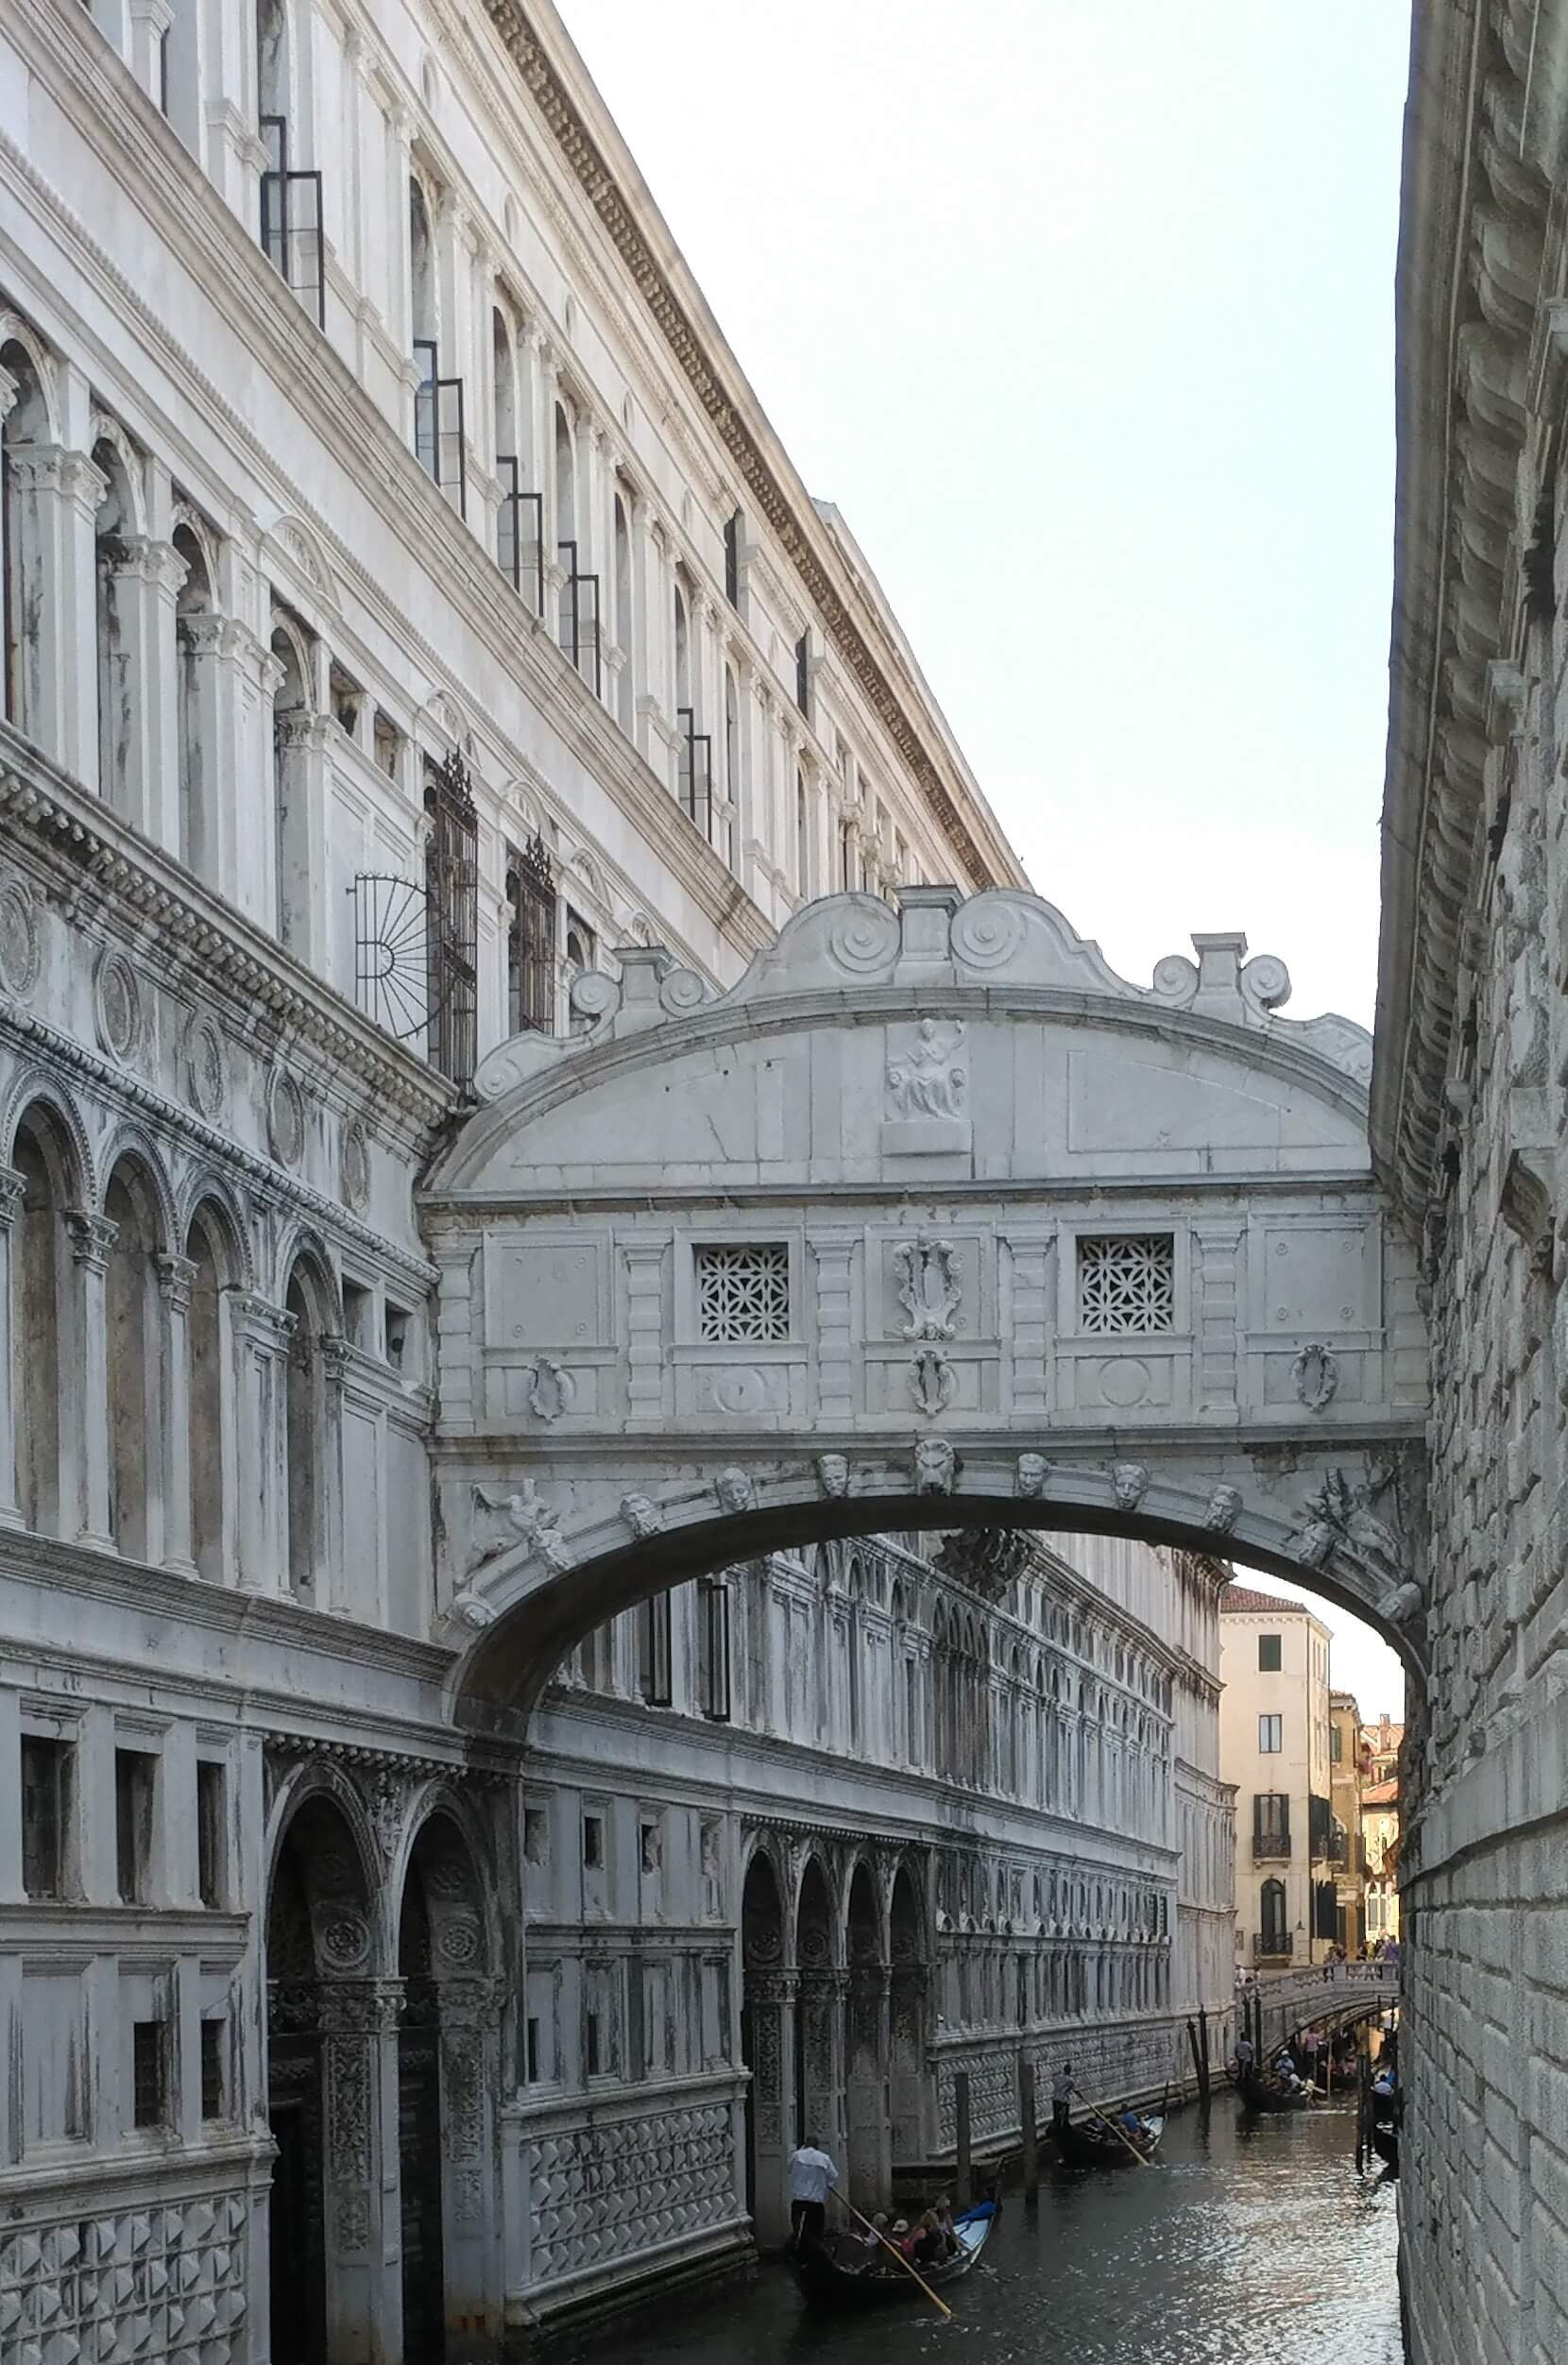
743	1292
1127	1282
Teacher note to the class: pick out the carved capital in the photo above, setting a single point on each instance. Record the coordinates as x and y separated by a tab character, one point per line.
92	1237
257	1319
176	1276
12	1190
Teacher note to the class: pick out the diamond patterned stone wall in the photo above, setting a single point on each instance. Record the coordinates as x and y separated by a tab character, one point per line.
600	2193
163	2283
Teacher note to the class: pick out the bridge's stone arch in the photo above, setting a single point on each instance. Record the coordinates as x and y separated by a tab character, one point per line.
932	1221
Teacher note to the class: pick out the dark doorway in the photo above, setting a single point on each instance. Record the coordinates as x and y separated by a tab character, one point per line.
296	2244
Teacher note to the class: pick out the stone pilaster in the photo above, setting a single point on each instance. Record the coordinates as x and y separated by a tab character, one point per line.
175	1277
262	1331
57	495
358	2020
13	1191
836	1360
646	1359
92	1239
1217	1312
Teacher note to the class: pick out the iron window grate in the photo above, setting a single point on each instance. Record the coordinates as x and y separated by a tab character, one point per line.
743	1292
1127	1282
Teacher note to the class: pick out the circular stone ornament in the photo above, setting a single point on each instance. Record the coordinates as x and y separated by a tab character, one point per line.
21	949
206	1068
285	1119
116	1005
355	1164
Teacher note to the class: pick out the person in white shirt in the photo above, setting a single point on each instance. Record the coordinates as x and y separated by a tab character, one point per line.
812	2176
1061	2096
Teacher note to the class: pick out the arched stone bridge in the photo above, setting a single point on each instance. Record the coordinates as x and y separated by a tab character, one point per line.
932	1221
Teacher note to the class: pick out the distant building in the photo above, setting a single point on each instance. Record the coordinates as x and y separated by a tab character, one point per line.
1345	1780
1380	1847
1380	1746
1274	1746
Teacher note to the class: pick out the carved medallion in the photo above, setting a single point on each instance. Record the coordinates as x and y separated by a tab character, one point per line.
21	944
285	1119
1315	1373
116	1005
933	1382
551	1390
931	1292
206	1068
355	1164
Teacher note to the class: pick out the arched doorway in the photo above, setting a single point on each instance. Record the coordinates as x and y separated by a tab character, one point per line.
865	2048
766	2042
816	2066
447	2075
907	2019
322	2031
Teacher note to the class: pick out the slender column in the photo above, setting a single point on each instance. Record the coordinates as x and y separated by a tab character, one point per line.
150	21
174	1276
400	317
92	1237
58	496
263	1332
206	646
868	2070
770	1999
12	1190
359	2022
338	1591
302	743
141	772
469	2019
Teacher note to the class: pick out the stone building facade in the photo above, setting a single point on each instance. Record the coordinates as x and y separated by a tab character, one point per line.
403	604
1468	1129
1275	1739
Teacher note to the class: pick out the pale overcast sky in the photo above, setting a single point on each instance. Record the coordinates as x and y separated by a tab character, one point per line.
1082	312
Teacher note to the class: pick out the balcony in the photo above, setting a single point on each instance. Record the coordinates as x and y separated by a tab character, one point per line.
1270	1847
1272	1947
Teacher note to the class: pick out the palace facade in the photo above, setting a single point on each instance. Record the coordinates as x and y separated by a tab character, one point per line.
405	604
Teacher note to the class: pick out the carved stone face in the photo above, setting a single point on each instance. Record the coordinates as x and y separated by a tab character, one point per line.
1031	1474
1129	1481
1224	1505
733	1489
934	1467
833	1471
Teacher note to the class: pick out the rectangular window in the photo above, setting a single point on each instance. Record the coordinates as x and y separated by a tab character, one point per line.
1271	1824
150	2102
536	1835
1336	1744
591	2044
1268	1654
713	1648
1126	1282
732	559
134	1775
1270	1735
593	1840
46	1778
530	939
652	1651
743	1291
532	2053
212	2069
209	1851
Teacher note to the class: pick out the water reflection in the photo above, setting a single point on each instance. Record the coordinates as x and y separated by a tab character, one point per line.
1254	2240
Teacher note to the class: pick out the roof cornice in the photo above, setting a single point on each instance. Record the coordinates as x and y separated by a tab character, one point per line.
1482	123
761	462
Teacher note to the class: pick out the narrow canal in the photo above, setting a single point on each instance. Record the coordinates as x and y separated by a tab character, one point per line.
1253	2239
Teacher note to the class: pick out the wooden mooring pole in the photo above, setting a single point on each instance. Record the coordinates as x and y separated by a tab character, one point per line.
1027	2130
1204	2079
961	2124
1199	2077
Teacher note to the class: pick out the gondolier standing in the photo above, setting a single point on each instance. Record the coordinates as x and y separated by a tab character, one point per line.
812	2176
1061	2097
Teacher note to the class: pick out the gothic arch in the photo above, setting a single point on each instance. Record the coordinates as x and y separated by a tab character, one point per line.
15	331
318	1780
130	1146
304	1255
127	470
210	1197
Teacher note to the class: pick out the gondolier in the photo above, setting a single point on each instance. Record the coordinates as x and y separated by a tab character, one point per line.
812	2176
1061	2097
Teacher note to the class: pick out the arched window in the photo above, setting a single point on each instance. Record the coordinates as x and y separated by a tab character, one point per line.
626	683
304	1416
115	530
682	652
41	1310
196	637
424	312
272	80
21	576
133	1330
210	1409
508	452
803	838
1274	1934
565	480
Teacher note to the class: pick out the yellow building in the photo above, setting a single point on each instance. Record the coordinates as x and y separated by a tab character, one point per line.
1345	1784
1274	1746
1380	1844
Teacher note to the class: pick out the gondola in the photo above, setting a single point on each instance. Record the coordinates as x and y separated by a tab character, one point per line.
1092	2144
829	2285
1384	2142
1272	2094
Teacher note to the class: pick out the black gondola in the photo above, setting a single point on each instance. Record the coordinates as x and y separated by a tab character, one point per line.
1091	2143
829	2284
1273	2094
1384	2142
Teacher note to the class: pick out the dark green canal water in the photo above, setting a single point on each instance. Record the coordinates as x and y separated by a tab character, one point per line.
1254	2239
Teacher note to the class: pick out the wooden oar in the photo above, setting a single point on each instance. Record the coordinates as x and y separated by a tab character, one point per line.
894	2252
1106	2119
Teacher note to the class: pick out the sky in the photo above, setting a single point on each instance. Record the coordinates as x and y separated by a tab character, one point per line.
1082	312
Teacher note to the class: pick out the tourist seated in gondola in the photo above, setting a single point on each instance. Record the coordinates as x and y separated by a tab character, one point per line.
950	2243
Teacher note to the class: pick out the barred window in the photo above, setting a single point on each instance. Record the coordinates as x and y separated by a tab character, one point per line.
1127	1282
744	1292
212	2069
149	2102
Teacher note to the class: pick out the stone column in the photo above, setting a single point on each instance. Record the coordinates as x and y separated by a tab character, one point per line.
302	743
358	2040
58	494
769	2001
645	647
146	577
150	21
205	647
340	1589
262	1333
92	1237
399	310
867	2067
174	1276
822	1997
12	1190
470	2020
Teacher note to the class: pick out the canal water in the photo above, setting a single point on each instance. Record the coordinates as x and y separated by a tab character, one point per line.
1252	2239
